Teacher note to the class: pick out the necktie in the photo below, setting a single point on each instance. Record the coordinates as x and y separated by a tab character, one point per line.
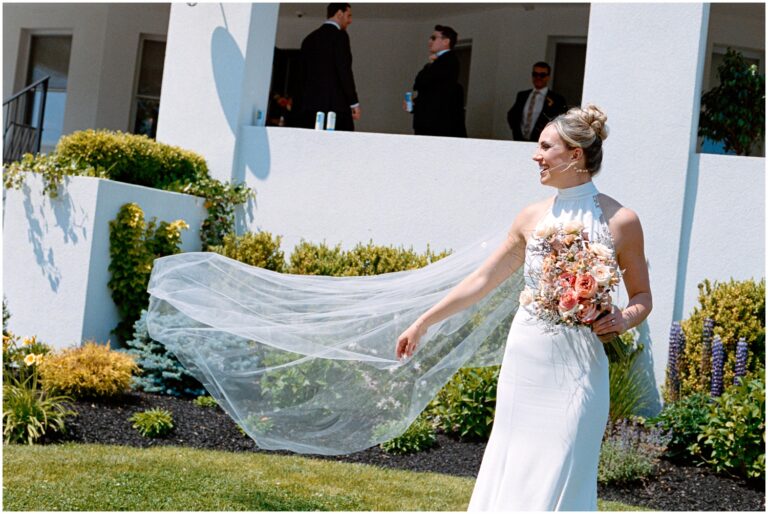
528	127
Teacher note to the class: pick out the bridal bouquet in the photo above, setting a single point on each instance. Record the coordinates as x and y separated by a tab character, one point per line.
576	278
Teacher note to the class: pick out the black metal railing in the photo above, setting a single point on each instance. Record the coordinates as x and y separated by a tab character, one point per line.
21	133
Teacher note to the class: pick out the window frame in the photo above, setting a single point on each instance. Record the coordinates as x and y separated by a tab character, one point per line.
135	96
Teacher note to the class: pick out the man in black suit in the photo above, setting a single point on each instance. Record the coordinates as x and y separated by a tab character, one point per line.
438	108
536	107
327	69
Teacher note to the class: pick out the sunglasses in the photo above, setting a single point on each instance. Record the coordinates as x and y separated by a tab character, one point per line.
539	75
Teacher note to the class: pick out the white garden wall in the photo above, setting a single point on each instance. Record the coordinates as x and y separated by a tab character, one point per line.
56	253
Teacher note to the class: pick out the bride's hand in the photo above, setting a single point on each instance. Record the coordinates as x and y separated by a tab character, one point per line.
408	340
610	325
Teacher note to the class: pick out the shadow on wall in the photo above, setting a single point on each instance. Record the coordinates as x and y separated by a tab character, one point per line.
645	368
230	74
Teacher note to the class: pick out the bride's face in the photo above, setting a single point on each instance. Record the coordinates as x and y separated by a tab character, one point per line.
556	161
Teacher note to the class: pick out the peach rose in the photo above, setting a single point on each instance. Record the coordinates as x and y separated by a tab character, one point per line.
586	286
567	280
569	302
588	313
602	274
568	239
601	251
544	230
547	264
573	227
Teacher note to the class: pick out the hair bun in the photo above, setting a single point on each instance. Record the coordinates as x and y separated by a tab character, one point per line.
595	118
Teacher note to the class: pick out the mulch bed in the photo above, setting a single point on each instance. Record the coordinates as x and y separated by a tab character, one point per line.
674	488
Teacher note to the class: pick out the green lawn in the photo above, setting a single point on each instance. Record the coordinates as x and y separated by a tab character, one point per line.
95	477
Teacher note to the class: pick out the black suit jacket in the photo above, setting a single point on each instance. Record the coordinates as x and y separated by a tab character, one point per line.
554	105
438	109
327	75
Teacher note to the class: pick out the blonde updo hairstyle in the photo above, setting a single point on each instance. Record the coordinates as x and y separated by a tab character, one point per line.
584	128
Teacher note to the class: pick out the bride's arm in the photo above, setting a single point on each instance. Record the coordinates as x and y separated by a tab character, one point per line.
504	261
630	255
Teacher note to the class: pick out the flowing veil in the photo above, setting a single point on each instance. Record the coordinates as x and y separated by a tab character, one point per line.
307	363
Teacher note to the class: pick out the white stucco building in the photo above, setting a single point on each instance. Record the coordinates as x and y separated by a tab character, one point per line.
646	65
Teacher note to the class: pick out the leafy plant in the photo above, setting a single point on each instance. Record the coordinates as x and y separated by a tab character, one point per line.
220	201
734	432
628	387
629	452
465	406
152	422
370	259
205	401
738	311
90	371
161	371
136	159
133	246
734	111
256	249
685	419
418	437
19	356
29	412
317	259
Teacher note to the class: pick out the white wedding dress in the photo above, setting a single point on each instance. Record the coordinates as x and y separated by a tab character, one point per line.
552	398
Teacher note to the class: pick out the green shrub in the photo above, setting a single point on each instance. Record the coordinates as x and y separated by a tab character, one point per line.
29	412
364	259
256	249
685	420
465	406
133	246
90	371
317	259
418	437
370	259
161	371
738	310
734	432
205	401
630	452
628	387
131	158
136	159
152	422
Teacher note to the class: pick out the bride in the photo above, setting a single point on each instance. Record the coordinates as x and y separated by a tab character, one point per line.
552	397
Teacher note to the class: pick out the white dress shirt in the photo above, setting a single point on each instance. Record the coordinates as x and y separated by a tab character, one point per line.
537	107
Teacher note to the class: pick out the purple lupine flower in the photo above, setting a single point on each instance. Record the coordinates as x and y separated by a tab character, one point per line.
706	350
718	359
741	361
673	377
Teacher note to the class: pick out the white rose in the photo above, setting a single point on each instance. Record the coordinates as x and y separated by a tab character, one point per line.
602	274
573	227
526	297
544	230
601	251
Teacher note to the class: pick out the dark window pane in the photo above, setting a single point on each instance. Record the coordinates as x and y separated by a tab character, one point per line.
151	74
146	117
49	55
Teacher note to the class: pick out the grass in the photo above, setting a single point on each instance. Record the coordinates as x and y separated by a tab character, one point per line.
105	478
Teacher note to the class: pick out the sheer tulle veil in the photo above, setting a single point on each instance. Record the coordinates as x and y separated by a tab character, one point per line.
306	363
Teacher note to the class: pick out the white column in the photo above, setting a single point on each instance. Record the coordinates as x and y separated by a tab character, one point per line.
218	66
644	68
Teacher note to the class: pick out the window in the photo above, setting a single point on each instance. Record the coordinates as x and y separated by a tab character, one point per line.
570	55
146	103
49	56
463	51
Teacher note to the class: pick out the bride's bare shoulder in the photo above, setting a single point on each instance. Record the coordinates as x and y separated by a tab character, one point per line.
622	220
530	216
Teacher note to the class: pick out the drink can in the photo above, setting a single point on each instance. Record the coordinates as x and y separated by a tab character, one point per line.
409	101
320	120
330	123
